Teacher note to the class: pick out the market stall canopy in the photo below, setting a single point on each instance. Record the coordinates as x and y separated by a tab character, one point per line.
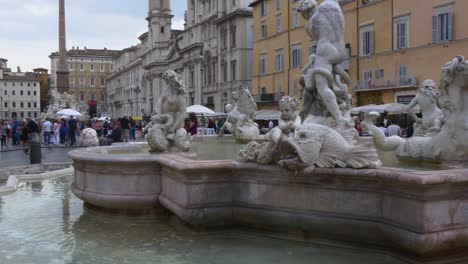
199	109
391	109
69	112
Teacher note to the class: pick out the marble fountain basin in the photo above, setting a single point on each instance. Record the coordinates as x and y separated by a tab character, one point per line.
421	213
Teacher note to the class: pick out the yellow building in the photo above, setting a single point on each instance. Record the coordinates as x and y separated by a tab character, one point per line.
393	45
88	70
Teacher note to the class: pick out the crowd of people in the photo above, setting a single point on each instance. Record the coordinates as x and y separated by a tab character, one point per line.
388	127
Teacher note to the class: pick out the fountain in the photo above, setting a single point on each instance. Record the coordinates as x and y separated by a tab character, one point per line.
308	180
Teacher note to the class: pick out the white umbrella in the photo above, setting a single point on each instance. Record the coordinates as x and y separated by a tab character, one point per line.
103	118
199	109
69	112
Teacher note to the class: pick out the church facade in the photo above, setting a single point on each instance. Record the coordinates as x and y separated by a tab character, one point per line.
213	54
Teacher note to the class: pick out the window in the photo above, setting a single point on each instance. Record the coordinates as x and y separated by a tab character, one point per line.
13	92
21	84
102	67
21	104
35	105
14	104
263	8
72	81
103	81
214	71
233	37
224	70
71	66
29	92
92	67
29	84
278	4
367	40
29	104
81	67
223	38
35	84
81	82
442	25
91	80
82	96
279	61
162	30
5	92
21	92
6	104
401	33
234	70
278	23
263	31
368	79
379	74
35	93
296	19
262	65
402	75
296	56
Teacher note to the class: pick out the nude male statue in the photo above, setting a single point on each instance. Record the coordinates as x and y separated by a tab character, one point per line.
325	24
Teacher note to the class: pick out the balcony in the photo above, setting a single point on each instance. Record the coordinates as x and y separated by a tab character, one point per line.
265	98
409	82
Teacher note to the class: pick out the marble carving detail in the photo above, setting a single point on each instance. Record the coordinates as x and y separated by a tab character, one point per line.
59	101
326	136
240	117
442	133
166	129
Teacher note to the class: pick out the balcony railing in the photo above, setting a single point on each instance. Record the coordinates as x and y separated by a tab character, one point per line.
386	84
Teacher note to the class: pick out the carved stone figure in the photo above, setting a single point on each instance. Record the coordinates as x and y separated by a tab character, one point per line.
326	138
451	143
324	93
240	118
59	101
432	116
166	129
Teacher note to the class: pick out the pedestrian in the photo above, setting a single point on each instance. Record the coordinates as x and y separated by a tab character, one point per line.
105	127
125	126
71	130
98	127
358	126
393	129
33	130
115	134
193	124
133	129
63	131
24	136
89	137
47	128
55	133
3	133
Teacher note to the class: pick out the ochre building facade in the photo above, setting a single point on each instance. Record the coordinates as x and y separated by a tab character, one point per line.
392	46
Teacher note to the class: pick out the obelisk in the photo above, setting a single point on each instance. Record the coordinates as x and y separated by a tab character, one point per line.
62	69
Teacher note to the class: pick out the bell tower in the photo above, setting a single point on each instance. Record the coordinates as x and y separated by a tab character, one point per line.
159	22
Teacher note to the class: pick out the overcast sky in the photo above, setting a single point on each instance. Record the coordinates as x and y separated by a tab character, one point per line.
29	28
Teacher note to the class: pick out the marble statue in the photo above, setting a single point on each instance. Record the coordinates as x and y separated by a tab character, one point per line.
59	101
326	137
432	116
166	128
325	95
240	117
450	143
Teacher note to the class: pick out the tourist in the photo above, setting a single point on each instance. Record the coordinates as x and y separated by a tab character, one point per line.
357	125
24	133
105	127
98	127
15	134
89	137
63	131
32	130
193	124
132	129
384	129
125	126
19	132
393	129
3	133
71	130
115	134
47	128
55	134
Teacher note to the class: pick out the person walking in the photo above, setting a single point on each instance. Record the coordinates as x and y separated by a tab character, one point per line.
72	130
133	129
32	129
63	131
47	128
55	134
3	133
393	129
125	126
